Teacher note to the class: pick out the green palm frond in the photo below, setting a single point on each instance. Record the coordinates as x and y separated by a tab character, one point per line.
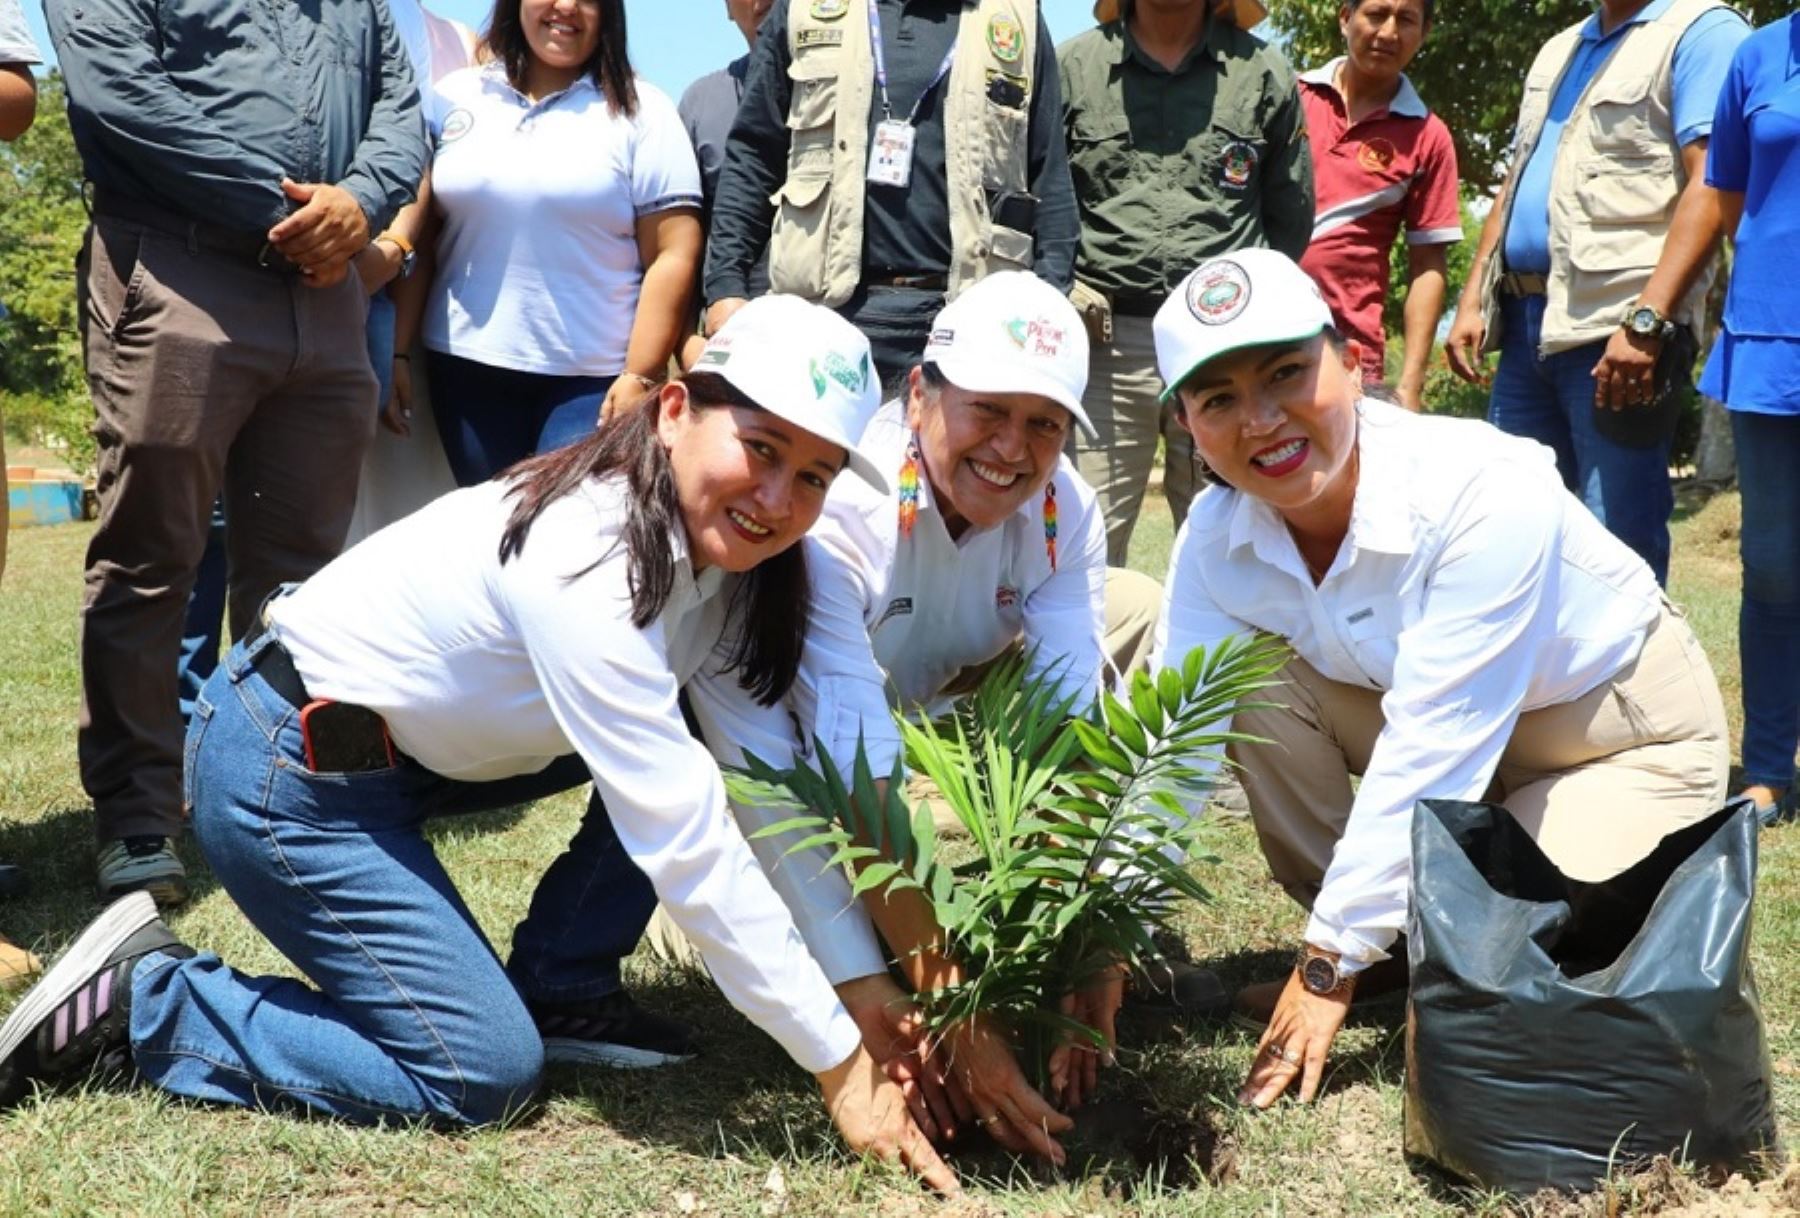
1084	824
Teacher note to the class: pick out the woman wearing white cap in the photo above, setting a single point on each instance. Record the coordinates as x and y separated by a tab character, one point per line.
445	665
1462	628
988	540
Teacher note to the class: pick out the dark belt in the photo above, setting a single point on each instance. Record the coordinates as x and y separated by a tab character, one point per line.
253	248
1136	304
929	283
274	665
1523	283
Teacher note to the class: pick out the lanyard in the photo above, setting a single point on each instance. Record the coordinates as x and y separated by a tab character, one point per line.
887	110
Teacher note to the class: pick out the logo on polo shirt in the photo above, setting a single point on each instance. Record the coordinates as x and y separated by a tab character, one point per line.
1376	155
1036	336
1237	164
1218	292
829	10
1005	597
456	125
1005	39
834	367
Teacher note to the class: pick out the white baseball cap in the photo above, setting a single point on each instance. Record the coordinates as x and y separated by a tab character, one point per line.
1013	333
1247	298
806	364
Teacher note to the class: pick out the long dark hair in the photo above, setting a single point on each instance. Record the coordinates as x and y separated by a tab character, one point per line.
769	608
609	67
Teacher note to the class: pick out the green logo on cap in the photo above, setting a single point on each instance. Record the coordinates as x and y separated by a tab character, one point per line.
853	377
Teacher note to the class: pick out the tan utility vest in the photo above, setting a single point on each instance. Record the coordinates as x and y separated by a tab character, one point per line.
816	244
1613	189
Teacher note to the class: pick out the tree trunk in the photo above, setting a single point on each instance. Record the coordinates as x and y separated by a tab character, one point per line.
1715	459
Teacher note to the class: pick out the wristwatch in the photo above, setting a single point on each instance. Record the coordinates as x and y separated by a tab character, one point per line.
1646	322
408	255
1320	975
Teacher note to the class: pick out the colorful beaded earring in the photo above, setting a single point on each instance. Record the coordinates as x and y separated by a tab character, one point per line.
909	488
1050	522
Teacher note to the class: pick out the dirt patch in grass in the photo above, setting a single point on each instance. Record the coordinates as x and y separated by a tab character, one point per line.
1668	1190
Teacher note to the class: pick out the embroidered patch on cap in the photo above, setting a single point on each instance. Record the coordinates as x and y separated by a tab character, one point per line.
456	125
1218	292
829	10
1005	38
1036	336
1236	164
834	367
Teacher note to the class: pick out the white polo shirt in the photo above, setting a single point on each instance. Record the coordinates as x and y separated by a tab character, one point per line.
484	671
1472	587
932	606
537	260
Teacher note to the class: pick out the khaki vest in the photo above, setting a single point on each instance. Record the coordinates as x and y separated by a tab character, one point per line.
1614	186
816	244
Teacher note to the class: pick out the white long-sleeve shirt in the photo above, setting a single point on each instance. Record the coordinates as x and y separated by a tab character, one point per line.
1471	587
484	671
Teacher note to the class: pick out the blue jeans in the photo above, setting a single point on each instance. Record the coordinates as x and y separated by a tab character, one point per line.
413	1015
1551	400
203	629
1768	459
380	333
490	418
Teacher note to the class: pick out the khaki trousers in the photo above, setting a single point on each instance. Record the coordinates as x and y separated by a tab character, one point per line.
1597	782
1122	389
1133	604
207	373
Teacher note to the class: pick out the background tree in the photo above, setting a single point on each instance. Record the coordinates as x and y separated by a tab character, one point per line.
43	393
1472	68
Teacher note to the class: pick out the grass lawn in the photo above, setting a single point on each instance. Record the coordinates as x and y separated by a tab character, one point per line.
739	1131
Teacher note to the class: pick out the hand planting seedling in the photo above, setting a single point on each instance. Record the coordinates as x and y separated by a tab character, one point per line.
1082	826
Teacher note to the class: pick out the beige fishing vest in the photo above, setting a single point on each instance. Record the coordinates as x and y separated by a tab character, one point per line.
1613	189
816	244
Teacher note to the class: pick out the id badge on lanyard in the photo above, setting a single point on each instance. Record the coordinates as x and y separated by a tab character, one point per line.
891	149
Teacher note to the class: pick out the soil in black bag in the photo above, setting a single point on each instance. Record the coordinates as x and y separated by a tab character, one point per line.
1558	1030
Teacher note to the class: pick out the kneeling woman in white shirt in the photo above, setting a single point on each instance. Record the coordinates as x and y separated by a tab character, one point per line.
1462	628
445	665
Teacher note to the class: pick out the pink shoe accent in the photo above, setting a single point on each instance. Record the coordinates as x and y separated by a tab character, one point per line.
61	1038
103	1000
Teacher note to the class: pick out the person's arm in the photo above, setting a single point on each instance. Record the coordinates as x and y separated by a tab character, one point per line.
334	221
1058	228
1626	372
1426	276
669	245
755	164
121	97
1286	187
1460	680
609	687
18	100
1468	332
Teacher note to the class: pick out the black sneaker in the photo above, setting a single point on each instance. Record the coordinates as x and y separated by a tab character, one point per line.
77	1018
611	1031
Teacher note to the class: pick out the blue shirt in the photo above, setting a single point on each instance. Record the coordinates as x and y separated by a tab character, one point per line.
203	106
1755	152
1702	58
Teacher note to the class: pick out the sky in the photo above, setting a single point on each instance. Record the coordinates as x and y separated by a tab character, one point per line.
672	41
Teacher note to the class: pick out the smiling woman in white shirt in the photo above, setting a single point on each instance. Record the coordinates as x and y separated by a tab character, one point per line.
1462	628
446	665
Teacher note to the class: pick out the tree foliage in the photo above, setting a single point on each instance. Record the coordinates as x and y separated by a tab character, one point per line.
1471	70
42	389
1083	834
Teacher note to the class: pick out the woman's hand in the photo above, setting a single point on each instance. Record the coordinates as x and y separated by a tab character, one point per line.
988	1080
627	390
396	413
894	1033
870	1112
1075	1064
1299	1035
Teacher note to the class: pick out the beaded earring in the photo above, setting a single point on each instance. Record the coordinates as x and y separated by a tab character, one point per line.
1050	522
909	488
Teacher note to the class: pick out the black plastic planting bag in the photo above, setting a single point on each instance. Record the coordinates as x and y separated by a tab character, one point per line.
1557	1030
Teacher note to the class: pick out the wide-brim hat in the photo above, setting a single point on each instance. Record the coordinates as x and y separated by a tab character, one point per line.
1248	298
806	364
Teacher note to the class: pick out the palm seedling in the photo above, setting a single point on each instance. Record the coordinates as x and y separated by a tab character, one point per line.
1082	826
